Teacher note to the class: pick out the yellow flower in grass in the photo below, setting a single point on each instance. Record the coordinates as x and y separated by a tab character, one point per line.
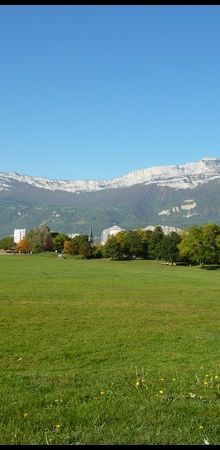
25	414
201	427
102	392
161	392
205	383
57	426
137	383
216	377
173	379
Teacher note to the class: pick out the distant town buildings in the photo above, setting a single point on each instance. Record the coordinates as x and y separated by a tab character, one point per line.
19	235
110	232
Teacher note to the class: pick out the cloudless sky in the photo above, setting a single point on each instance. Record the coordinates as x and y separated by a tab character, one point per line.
94	92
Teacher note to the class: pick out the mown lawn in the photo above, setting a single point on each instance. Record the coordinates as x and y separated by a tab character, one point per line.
106	352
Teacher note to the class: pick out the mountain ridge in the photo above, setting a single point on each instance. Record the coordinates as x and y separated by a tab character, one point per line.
182	176
179	196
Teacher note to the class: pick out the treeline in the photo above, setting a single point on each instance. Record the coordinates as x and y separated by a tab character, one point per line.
198	245
42	240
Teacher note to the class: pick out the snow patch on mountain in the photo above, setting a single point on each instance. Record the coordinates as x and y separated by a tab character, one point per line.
185	176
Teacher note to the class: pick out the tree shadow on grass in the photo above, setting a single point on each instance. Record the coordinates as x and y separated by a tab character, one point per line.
212	267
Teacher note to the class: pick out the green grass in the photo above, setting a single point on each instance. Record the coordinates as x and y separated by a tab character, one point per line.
105	352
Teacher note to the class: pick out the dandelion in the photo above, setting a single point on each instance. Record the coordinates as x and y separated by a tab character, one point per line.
205	383
216	377
201	427
161	392
57	426
162	379
173	379
137	383
102	392
25	414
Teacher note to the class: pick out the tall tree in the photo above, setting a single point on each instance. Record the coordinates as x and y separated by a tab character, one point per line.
78	242
155	244
112	248
69	247
191	245
210	233
200	244
59	241
169	247
39	239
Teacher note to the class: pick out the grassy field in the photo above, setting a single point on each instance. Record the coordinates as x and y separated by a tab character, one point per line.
106	352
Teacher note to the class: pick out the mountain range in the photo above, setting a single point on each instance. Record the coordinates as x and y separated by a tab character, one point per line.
180	195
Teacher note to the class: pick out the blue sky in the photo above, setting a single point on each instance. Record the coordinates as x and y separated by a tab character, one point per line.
94	92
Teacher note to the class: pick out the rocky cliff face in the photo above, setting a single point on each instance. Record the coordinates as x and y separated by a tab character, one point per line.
187	176
179	196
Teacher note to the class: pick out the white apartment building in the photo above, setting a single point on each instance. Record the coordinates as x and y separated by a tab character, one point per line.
110	232
19	235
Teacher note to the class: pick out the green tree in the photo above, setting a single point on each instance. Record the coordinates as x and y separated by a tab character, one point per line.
39	239
201	244
59	241
217	243
169	247
85	250
7	243
97	251
112	248
45	238
69	247
79	243
145	236
132	245
210	248
156	243
191	247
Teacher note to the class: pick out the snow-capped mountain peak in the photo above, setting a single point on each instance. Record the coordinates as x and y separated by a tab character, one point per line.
183	176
